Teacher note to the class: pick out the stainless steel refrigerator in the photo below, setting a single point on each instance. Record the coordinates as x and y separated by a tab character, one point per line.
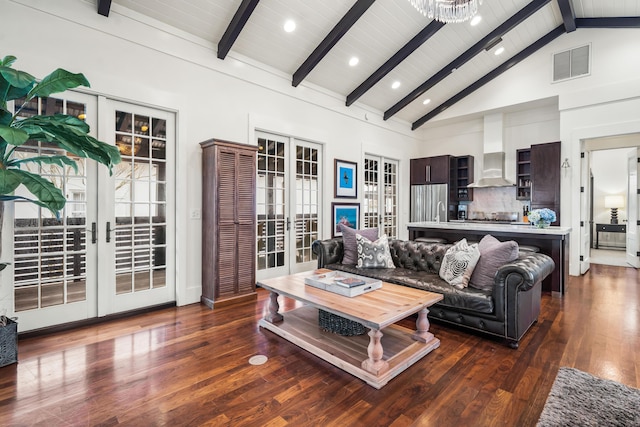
428	201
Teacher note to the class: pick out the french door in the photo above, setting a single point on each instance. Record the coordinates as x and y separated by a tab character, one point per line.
381	195
110	249
289	195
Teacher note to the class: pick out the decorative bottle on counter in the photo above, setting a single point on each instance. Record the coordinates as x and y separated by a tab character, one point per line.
525	214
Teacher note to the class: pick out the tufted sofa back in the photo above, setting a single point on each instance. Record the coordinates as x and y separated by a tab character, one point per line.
420	256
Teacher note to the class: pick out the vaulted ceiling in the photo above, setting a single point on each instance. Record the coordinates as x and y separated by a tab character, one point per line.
392	41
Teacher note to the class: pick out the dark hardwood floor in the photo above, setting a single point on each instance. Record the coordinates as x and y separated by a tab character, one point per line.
188	366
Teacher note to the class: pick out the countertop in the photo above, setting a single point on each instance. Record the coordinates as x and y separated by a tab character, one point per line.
505	228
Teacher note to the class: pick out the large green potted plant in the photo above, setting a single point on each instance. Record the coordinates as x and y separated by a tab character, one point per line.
67	132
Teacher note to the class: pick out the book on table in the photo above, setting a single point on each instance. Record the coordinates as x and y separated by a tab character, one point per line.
343	283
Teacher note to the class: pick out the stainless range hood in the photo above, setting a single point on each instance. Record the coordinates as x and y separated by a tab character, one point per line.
492	172
493	158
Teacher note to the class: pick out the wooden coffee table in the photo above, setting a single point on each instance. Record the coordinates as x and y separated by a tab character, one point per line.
372	359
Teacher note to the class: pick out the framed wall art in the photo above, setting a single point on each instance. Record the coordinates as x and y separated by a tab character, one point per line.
344	213
346	179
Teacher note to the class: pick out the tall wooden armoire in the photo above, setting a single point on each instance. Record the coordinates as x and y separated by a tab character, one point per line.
228	222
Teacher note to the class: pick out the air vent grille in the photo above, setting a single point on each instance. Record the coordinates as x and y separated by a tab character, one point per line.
571	63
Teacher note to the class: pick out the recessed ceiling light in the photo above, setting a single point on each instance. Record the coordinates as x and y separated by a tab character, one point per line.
395	85
354	61
499	50
476	20
289	26
426	101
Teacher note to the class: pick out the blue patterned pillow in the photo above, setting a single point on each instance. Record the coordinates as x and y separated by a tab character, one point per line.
374	254
459	262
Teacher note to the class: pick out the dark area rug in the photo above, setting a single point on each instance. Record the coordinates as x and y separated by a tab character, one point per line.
580	399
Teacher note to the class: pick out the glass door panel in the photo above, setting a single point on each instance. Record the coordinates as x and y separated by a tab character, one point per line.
54	266
381	195
288	199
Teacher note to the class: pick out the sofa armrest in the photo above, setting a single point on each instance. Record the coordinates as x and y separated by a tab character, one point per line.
329	251
521	275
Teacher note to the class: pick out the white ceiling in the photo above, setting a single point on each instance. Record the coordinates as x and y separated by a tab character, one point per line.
383	29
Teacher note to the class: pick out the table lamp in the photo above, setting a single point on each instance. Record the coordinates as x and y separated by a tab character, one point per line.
614	202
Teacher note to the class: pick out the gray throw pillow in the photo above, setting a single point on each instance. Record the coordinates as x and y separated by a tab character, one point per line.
493	255
374	254
350	255
459	262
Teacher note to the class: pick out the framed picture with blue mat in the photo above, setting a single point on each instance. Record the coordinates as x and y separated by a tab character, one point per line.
346	179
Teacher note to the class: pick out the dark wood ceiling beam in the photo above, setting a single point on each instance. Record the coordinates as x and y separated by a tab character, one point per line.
104	7
341	28
568	17
477	48
525	53
236	25
622	22
396	59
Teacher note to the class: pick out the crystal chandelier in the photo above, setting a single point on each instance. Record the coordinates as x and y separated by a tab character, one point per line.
447	11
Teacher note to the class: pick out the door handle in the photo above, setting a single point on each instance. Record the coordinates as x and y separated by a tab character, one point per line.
288	224
108	232
94	232
427	173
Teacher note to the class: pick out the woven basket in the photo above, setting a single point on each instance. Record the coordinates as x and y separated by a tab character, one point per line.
339	325
8	343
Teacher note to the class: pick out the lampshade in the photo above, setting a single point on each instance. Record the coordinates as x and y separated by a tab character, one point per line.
613	201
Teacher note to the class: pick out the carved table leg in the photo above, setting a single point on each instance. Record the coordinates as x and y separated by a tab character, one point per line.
374	363
422	333
273	316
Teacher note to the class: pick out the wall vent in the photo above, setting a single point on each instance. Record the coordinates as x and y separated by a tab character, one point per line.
572	63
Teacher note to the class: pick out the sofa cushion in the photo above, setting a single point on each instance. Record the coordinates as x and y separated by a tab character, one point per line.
349	242
493	255
459	263
373	254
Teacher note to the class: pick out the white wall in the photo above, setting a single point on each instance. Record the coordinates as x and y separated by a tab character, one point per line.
130	57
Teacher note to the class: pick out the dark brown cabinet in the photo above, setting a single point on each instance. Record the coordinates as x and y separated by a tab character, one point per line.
462	175
430	170
228	222
545	177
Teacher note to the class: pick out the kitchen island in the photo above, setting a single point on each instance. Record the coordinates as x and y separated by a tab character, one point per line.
552	241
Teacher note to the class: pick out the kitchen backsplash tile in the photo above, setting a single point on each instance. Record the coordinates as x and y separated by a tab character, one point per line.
496	199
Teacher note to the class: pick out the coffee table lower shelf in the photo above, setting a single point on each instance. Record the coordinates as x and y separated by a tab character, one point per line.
400	350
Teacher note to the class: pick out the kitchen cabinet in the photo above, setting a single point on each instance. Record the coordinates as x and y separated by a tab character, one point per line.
228	222
523	174
430	170
545	177
462	175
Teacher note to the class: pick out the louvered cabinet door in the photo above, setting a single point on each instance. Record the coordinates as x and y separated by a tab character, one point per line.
228	222
246	214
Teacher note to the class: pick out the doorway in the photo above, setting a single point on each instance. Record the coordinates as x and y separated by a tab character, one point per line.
289	197
111	249
608	215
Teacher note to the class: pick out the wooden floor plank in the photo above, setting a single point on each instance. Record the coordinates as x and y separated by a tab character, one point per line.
190	366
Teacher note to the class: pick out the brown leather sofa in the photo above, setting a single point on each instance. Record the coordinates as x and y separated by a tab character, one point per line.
507	311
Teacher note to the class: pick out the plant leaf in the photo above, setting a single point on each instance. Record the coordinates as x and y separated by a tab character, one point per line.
5	117
50	160
69	133
13	135
9	181
47	194
16	78
8	60
58	81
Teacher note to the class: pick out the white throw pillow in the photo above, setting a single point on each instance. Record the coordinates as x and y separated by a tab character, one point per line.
374	254
459	262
